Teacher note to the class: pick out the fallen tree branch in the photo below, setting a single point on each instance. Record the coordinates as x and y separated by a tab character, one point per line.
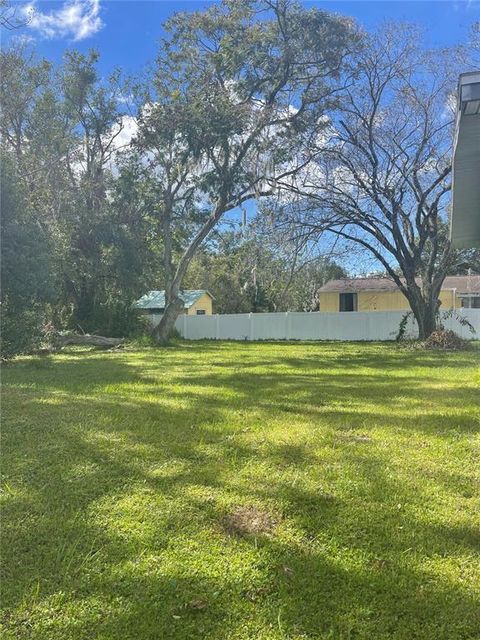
62	340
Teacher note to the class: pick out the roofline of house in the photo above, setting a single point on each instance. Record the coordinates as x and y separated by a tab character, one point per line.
182	290
134	304
353	290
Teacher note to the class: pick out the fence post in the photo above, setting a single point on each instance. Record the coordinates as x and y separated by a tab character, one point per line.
287	325
185	326
252	328
217	327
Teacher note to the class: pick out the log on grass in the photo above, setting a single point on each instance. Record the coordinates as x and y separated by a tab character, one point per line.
87	340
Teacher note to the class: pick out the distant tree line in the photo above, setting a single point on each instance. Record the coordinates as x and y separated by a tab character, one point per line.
111	187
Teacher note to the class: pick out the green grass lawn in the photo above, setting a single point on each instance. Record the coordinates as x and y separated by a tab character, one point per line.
242	491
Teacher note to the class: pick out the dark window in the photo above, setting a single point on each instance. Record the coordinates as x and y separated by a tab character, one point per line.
471	302
348	302
201	312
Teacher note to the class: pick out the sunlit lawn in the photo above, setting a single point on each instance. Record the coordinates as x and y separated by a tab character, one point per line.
122	470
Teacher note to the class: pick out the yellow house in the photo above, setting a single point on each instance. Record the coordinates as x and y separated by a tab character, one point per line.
382	294
195	302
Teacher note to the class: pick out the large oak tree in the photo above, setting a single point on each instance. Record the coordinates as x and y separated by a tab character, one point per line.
237	89
381	177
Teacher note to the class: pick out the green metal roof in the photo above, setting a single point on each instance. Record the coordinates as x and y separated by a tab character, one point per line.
156	299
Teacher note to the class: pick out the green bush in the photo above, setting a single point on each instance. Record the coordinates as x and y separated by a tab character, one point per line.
21	331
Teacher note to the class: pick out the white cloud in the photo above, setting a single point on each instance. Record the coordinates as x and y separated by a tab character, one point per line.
123	132
22	39
77	19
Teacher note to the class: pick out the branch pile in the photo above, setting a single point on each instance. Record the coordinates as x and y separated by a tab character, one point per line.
445	339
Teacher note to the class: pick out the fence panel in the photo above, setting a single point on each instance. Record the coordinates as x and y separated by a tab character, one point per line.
472	316
304	326
198	327
269	326
234	326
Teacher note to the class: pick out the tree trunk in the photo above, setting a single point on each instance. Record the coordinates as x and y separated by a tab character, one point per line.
167	248
426	321
83	312
173	304
164	330
425	312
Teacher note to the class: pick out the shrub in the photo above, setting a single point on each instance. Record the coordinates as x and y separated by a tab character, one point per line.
21	330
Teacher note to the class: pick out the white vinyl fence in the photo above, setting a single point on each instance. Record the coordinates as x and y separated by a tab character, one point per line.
356	325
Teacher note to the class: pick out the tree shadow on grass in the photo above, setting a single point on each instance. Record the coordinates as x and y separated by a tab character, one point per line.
349	397
103	477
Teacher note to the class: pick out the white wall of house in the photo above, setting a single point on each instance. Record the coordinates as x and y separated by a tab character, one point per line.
361	325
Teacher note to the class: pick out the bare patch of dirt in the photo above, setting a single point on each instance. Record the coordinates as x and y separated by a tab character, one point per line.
249	520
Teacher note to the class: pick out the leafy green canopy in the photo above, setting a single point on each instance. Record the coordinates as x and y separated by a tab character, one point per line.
238	90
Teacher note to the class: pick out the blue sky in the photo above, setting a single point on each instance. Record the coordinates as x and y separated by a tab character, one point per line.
126	32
